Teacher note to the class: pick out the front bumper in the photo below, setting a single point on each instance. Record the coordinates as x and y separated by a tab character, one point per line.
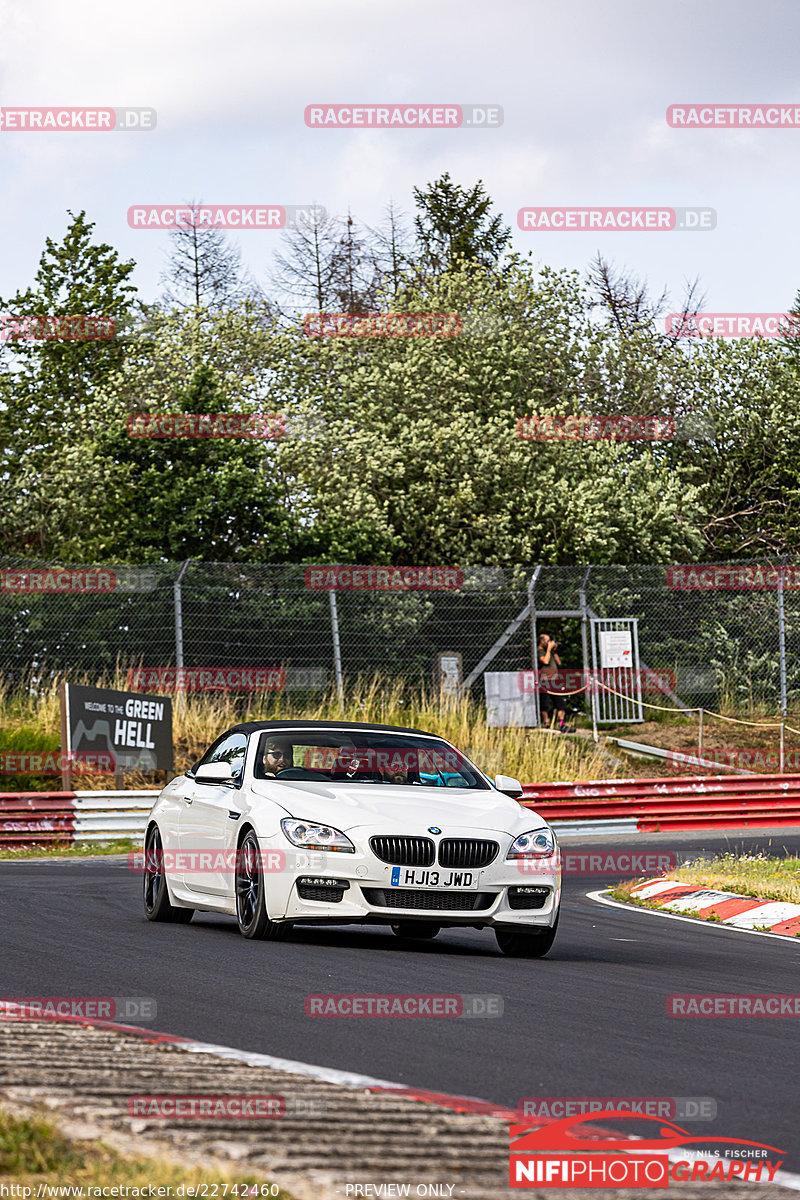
334	888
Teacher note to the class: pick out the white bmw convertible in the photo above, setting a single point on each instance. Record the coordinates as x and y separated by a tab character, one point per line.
297	822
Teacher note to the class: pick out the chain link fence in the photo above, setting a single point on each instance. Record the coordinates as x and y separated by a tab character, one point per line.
728	635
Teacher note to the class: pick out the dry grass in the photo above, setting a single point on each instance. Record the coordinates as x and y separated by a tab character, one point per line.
747	874
754	875
34	1154
31	711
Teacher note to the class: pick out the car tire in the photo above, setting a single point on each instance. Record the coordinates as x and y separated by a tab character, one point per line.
155	892
416	930
526	943
251	895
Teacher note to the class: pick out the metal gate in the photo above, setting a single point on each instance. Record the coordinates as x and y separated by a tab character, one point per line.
616	686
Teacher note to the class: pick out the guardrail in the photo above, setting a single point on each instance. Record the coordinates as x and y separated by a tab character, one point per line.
58	817
693	802
596	806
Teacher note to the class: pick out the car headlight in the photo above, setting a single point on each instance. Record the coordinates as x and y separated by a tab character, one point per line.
311	836
537	843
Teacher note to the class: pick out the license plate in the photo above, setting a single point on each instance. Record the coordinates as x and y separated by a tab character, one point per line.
414	877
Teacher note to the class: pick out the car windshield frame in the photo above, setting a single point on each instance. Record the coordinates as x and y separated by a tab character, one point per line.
371	757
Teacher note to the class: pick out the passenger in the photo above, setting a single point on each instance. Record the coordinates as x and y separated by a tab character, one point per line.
395	774
278	756
397	769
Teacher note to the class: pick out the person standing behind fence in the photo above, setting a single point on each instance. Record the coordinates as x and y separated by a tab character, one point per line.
553	713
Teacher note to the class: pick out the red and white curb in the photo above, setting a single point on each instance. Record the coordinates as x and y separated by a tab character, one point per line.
741	912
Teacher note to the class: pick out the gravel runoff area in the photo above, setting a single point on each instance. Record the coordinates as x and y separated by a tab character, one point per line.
332	1135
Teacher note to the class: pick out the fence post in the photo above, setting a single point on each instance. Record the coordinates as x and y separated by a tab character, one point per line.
337	649
782	638
585	644
534	645
783	757
66	750
178	602
700	736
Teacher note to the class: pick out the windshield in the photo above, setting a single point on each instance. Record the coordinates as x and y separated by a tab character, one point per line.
350	756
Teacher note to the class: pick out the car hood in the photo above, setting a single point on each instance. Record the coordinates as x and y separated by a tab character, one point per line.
398	808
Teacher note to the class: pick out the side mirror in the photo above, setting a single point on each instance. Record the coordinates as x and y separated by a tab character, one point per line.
213	772
508	785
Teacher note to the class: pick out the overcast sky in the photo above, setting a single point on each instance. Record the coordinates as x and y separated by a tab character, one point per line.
584	88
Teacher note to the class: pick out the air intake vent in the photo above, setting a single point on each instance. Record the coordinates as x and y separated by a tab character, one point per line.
429	901
528	897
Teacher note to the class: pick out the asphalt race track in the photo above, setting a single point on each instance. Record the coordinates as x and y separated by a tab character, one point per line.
589	1020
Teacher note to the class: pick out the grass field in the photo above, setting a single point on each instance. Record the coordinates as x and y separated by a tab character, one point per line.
30	721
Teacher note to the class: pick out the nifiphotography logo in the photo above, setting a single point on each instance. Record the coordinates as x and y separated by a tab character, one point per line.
556	1155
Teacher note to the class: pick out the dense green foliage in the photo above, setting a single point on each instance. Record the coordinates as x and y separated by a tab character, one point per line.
397	449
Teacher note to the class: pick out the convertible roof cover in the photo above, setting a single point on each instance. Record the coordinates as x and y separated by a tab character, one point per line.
254	726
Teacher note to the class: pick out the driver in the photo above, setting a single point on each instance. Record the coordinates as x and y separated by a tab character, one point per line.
278	756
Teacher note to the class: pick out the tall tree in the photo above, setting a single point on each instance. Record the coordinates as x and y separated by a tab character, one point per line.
76	278
308	270
454	223
392	251
50	385
205	269
214	499
355	271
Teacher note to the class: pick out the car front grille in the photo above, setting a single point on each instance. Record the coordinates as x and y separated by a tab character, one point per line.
467	852
429	901
404	851
528	897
